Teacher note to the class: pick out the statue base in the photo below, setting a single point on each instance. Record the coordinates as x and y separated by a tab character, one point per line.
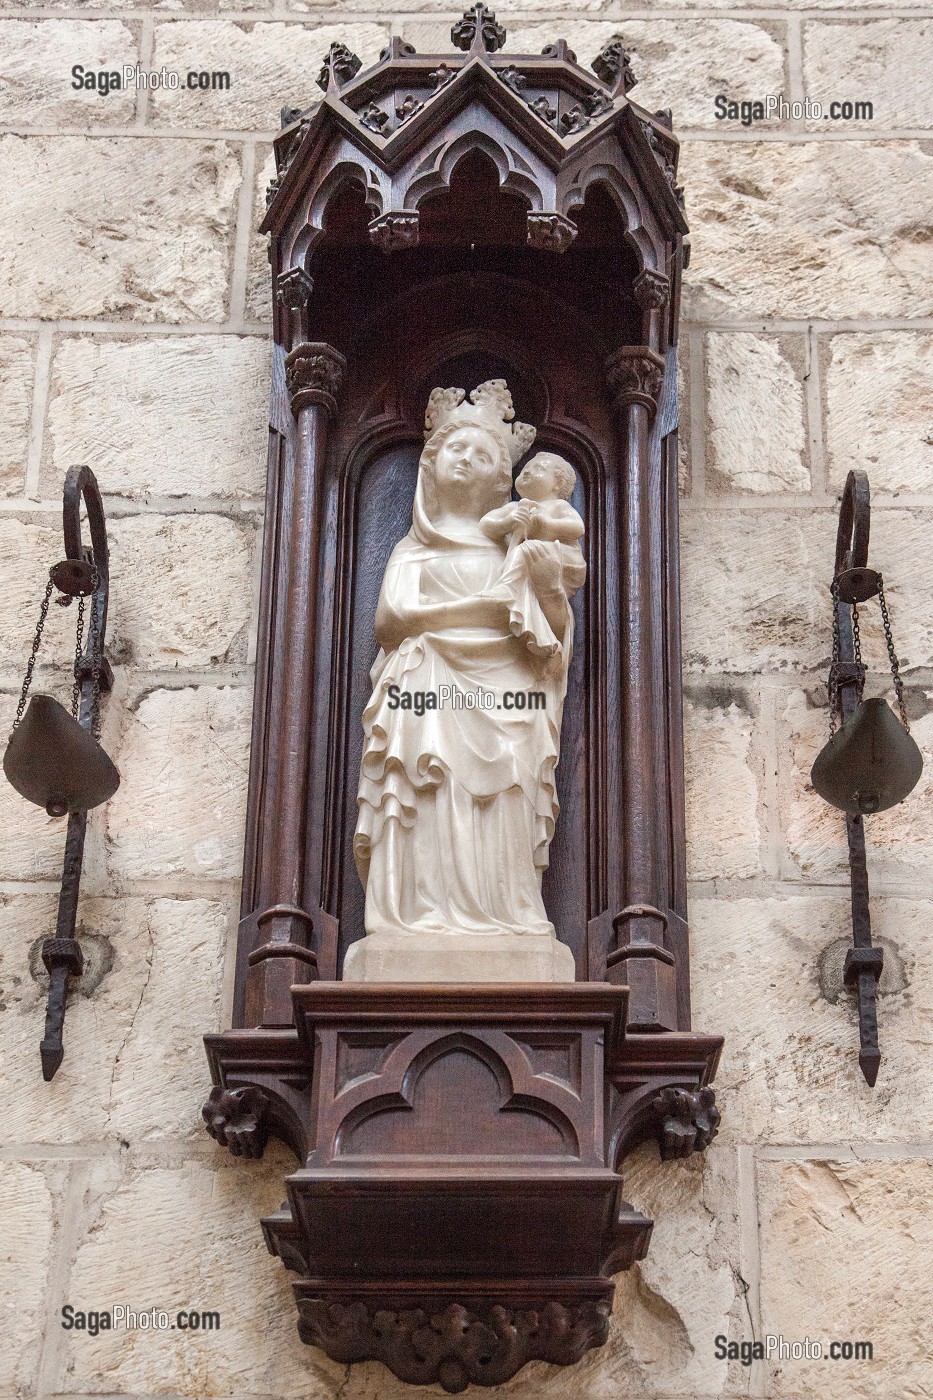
461	957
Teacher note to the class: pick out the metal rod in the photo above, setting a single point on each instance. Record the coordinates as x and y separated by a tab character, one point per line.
863	971
62	954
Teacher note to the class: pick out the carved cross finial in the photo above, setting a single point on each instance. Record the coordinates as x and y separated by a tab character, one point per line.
613	66
340	65
478	31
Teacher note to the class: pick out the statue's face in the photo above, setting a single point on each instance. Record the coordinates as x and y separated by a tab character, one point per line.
467	467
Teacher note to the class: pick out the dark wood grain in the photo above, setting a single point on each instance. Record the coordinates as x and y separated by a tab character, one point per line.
442	220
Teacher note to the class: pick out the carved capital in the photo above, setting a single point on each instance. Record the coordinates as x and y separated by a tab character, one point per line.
687	1120
551	232
635	375
313	375
236	1118
391	232
294	289
451	1342
652	289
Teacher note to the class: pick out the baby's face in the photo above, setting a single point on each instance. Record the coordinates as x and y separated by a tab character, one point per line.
536	481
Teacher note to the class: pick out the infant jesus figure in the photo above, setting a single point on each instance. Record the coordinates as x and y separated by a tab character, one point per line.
545	514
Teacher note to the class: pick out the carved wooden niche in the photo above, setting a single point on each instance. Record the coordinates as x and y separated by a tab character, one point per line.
446	220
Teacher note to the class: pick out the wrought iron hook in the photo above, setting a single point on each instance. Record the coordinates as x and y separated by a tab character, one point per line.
62	954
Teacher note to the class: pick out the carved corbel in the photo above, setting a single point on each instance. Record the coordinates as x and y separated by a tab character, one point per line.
480	1340
314	373
550	231
293	291
635	375
652	289
687	1121
238	1119
394	231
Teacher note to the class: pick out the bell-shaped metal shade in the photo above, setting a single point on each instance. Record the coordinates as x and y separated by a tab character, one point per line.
872	762
53	762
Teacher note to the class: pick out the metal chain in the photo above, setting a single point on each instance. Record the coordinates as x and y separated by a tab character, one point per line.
833	684
30	664
857	649
892	656
79	649
95	650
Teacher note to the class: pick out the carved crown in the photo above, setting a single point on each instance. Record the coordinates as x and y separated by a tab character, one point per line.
490	407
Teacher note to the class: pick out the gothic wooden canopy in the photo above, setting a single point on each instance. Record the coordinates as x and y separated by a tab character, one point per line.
442	220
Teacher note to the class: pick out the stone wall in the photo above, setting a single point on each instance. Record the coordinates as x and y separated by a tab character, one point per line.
134	335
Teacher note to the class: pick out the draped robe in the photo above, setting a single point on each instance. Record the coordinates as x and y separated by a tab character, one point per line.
457	805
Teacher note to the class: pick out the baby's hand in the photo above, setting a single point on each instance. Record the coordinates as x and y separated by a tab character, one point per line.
525	518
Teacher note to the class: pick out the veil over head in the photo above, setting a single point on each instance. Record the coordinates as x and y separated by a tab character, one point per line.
490	408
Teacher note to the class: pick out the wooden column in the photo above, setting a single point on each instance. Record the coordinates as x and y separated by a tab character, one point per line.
291	932
639	957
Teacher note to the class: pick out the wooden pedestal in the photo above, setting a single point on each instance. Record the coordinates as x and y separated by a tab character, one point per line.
459	1211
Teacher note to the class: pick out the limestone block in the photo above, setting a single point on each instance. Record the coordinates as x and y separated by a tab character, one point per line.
767	974
25	1255
180	807
27	552
899	841
883	61
752	589
133	1046
844	1251
670	1306
159	5
124	227
269	65
17	366
878	410
723	832
406	22
181	588
36	59
258	272
180	416
681	64
188	1236
684	463
755	414
807	230
900	549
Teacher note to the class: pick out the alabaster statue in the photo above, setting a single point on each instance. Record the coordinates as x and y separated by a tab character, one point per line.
457	796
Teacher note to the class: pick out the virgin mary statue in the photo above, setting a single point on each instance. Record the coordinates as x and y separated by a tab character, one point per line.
457	796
